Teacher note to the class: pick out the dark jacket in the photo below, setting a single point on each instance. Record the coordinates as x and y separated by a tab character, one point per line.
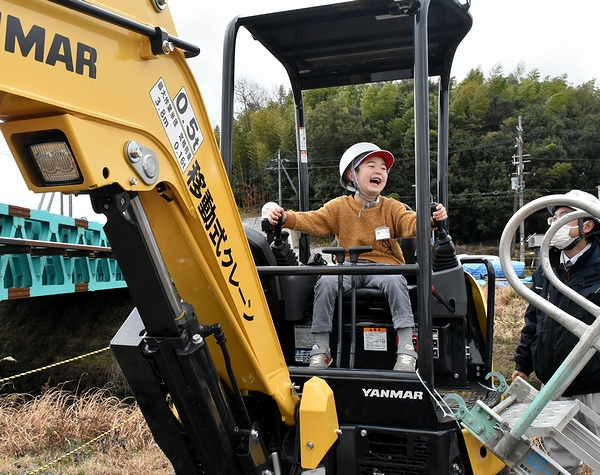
544	342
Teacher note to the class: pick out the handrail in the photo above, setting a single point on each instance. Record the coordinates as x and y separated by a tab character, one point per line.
405	269
157	35
574	325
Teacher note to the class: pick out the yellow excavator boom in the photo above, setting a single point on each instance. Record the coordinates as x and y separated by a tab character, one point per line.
109	79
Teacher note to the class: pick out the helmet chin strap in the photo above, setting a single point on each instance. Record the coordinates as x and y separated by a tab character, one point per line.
369	202
579	238
573	244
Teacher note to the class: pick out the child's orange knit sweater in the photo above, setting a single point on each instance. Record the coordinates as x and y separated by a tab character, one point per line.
340	216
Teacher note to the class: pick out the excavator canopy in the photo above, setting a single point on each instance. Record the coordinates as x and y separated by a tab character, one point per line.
358	42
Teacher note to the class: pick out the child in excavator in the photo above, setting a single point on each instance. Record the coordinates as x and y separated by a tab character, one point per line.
363	219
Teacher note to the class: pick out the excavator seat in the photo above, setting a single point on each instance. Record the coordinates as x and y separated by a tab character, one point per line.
375	336
290	300
289	296
371	300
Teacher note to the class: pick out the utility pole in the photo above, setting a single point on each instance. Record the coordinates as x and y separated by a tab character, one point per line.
279	173
518	185
281	166
521	189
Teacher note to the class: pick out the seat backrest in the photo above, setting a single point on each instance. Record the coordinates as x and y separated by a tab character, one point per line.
262	253
409	249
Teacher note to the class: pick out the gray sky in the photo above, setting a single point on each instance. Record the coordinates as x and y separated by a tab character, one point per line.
554	36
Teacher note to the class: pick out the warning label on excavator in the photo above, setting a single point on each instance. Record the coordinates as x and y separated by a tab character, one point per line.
303	154
179	121
303	338
375	339
317	471
303	342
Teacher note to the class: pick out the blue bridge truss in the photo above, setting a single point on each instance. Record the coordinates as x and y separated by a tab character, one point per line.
45	254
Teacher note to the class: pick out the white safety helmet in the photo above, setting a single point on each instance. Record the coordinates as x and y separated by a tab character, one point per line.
266	209
582	195
355	155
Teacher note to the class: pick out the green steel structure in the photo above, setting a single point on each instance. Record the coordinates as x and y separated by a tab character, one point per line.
45	254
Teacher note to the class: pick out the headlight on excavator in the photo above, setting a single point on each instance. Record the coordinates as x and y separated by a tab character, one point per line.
54	162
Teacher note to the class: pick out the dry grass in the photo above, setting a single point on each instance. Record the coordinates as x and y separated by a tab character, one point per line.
34	431
508	321
510	307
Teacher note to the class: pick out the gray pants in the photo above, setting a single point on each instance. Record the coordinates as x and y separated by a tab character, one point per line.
394	287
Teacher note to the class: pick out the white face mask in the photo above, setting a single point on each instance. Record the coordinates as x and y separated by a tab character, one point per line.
562	240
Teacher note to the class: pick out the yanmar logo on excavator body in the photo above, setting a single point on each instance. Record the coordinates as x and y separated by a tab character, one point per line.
392	393
54	50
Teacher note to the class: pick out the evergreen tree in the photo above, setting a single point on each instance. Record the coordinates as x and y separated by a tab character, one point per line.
561	123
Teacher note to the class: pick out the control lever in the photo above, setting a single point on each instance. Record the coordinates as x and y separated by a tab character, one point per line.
282	251
278	226
438	224
355	252
444	253
338	252
442	300
340	255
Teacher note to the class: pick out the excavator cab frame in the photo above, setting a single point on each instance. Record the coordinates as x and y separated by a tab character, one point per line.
359	42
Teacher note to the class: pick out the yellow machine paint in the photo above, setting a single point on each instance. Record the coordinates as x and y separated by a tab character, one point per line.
318	422
482	460
109	92
479	302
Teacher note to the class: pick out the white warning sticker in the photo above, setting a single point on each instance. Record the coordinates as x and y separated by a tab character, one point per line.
179	121
303	338
375	339
303	154
315	471
189	121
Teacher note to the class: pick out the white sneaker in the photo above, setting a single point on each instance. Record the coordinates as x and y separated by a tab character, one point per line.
406	360
320	357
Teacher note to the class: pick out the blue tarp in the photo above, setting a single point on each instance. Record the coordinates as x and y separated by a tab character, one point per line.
479	271
504	283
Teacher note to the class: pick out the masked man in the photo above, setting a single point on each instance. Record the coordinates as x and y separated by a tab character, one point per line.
545	343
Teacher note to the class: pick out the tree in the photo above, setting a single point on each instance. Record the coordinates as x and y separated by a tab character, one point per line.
561	125
332	127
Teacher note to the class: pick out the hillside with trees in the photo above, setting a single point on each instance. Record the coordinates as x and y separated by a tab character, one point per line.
561	130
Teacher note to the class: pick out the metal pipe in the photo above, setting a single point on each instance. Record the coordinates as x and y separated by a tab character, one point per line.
589	335
304	244
227	95
422	179
443	130
154	252
189	49
372	269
